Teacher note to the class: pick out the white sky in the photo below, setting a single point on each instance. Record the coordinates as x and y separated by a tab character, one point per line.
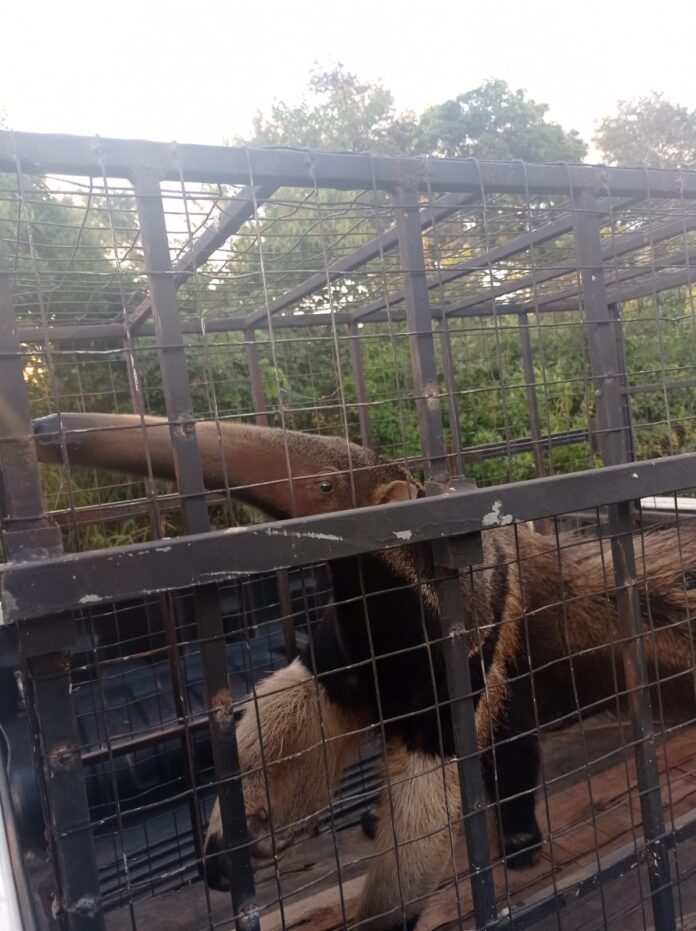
197	71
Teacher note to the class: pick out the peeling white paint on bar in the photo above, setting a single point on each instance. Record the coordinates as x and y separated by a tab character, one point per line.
303	534
494	518
9	603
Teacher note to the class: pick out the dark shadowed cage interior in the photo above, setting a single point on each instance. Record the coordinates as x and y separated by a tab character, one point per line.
347	540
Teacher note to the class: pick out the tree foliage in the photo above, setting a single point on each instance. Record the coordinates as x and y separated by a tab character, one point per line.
341	113
308	374
495	122
649	131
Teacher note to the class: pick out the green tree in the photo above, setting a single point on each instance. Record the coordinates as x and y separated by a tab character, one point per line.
493	121
649	131
340	113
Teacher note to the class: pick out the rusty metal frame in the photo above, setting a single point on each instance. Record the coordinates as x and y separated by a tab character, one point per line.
121	158
41	585
98	576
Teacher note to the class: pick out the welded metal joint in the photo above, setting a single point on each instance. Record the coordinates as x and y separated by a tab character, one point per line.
462	550
64	757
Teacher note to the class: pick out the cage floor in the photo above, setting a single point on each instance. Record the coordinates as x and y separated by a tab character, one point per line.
585	819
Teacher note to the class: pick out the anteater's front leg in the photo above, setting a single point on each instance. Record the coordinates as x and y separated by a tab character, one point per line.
511	767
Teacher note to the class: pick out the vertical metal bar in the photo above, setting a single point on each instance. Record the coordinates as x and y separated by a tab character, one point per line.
615	312
543	525
78	898
257	393
614	439
532	400
187	463
356	361
285	601
21	507
45	645
166	604
471	784
261	416
450	384
419	322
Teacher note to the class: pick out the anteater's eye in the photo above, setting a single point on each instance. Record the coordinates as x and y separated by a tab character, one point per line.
326	485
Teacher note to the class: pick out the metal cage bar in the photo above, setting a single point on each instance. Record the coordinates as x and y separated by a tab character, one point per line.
46	651
49	585
532	400
614	435
40	583
231	217
78	155
189	474
422	348
358	368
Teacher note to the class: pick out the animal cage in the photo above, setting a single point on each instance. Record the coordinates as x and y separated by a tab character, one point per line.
355	591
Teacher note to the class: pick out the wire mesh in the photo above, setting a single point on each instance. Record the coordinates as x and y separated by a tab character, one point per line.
380	674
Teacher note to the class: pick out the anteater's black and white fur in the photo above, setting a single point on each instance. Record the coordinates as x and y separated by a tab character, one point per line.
543	629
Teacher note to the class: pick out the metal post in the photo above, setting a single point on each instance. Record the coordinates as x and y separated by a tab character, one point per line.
356	361
165	600
287	616
543	525
615	311
456	657
532	400
614	439
257	393
45	646
450	384
261	417
189	474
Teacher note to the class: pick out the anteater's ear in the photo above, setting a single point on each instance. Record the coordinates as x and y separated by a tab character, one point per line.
399	490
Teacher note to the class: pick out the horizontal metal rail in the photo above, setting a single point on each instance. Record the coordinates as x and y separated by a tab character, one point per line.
481	261
35	589
651	284
649	273
665	275
612	248
226	223
122	158
430	215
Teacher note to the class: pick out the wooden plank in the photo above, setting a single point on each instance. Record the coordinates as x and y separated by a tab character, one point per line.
614	809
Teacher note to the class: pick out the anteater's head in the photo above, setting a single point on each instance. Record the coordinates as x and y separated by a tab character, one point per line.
282	472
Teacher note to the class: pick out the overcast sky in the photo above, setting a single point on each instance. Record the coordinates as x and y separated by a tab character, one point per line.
197	71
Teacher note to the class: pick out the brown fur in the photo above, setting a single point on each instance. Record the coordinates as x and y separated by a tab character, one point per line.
279	471
294	744
557	620
418	810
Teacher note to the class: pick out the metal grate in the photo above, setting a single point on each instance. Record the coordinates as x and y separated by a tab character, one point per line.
450	680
